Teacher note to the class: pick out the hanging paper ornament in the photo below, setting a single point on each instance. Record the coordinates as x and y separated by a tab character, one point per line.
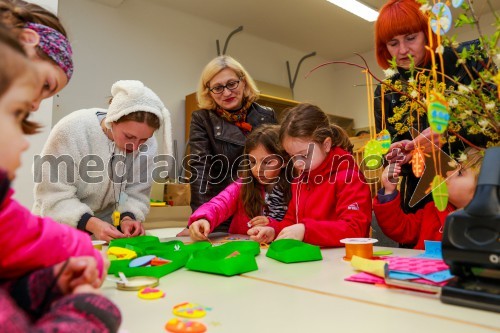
437	113
384	138
457	3
372	154
418	161
443	14
439	193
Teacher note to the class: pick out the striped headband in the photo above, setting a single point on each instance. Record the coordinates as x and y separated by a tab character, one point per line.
55	45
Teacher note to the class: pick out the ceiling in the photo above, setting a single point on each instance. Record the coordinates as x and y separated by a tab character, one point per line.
307	25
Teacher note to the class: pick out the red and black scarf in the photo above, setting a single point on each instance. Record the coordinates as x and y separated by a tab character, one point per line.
239	117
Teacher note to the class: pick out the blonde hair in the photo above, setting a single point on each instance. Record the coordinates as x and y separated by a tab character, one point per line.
205	101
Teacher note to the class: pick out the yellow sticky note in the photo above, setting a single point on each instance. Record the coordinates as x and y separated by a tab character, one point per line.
375	267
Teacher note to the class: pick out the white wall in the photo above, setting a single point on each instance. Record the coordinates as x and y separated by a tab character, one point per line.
23	184
167	50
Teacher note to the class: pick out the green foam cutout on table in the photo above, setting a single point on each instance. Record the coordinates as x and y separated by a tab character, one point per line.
227	259
292	251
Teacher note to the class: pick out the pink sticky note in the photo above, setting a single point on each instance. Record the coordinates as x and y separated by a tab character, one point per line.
365	278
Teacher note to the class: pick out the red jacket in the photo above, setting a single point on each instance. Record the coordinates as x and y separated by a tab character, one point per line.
336	207
426	224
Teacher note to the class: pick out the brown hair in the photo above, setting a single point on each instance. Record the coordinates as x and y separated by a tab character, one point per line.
142	117
15	14
251	192
309	121
11	51
400	17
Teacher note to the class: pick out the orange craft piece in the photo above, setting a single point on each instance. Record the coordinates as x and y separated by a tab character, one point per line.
418	161
160	262
177	325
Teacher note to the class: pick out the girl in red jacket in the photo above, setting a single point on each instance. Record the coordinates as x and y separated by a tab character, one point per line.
261	195
428	222
330	199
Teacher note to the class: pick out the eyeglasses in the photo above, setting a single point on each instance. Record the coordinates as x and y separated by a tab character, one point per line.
231	85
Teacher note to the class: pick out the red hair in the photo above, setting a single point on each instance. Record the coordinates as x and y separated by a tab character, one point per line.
399	17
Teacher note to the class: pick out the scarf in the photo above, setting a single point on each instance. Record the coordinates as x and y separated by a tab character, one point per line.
237	117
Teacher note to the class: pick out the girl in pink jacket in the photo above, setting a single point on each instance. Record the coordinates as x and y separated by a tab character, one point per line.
260	195
28	242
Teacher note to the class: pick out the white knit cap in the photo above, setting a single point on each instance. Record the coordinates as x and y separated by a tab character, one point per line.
131	96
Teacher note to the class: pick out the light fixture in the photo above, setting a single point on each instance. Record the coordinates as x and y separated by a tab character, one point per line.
357	8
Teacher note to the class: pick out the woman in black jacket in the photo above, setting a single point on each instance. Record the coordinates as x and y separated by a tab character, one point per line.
401	33
228	113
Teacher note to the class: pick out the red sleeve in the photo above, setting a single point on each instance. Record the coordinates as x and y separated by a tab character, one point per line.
220	208
400	227
31	242
353	209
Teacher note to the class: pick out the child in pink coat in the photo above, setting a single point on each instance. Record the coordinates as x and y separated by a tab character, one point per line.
28	242
43	288
260	195
428	222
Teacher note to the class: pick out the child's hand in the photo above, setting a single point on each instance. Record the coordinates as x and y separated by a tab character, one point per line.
398	152
295	231
131	228
261	234
199	230
78	271
258	220
390	177
86	289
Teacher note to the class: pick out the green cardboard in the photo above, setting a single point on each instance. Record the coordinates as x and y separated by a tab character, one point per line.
292	251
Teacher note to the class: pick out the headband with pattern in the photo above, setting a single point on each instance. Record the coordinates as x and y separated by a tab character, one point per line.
55	45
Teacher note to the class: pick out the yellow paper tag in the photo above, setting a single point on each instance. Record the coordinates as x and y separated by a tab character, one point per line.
376	267
116	218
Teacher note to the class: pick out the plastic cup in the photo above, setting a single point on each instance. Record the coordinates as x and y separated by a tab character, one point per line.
98	244
361	247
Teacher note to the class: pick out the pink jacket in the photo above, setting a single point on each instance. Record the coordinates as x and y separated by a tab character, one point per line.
29	242
224	205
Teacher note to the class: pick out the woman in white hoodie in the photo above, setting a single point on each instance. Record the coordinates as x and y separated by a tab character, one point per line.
96	169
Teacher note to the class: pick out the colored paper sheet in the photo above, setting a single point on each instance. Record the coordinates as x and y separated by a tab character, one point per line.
432	250
375	267
365	278
433	277
416	265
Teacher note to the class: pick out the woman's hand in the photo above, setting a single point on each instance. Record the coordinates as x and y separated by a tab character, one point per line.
426	139
390	177
258	220
103	230
296	231
131	228
261	234
77	271
199	230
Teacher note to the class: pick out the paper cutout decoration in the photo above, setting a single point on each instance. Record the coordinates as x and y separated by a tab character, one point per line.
141	261
418	161
189	310
443	14
439	193
457	3
372	154
177	325
437	113
150	293
375	267
433	250
121	253
384	138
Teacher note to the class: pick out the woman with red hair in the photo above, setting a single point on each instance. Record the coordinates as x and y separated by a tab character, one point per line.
402	36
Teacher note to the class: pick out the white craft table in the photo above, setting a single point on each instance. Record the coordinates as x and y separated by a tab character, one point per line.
302	297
